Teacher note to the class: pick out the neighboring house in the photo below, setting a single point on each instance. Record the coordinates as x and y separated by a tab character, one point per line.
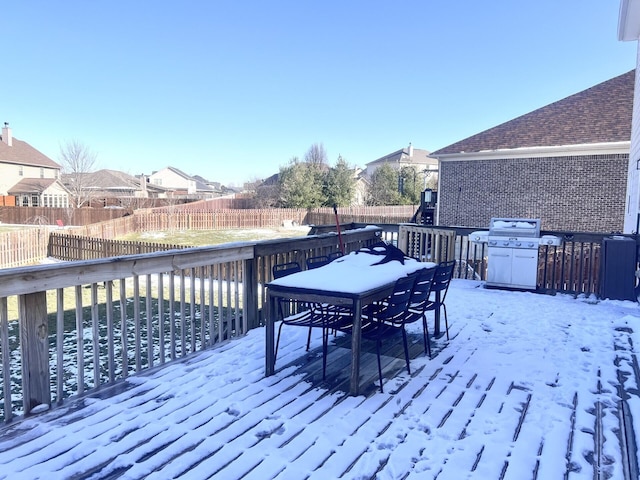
629	30
111	188
420	160
29	175
217	187
565	163
360	189
425	166
181	184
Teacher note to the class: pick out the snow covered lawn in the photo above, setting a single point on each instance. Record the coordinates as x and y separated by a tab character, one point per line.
527	387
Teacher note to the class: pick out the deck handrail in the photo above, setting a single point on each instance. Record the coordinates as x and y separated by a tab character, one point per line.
65	327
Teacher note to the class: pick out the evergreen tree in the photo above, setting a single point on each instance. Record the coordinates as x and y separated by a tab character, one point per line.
301	185
383	187
340	184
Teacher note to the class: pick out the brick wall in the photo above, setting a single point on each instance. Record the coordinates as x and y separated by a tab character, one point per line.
580	193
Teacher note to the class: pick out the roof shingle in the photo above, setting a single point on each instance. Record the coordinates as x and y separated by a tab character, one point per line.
599	114
24	154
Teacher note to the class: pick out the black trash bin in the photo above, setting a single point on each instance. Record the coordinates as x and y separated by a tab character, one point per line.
618	268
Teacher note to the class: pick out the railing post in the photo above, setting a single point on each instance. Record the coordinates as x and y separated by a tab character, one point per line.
34	346
403	239
250	293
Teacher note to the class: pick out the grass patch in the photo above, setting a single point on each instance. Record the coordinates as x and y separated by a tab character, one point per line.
200	238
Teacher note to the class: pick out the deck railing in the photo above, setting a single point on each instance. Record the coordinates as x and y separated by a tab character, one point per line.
72	328
574	267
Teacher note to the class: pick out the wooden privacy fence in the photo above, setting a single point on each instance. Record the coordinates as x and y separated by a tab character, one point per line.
21	248
166	220
54	216
77	247
27	246
371	215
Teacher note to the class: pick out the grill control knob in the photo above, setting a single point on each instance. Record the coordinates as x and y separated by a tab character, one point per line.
493	242
518	244
506	244
531	245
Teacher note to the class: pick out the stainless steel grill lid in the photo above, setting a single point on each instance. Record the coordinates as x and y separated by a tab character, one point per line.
515	227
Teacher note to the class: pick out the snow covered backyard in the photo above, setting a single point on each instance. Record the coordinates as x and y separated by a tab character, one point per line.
529	386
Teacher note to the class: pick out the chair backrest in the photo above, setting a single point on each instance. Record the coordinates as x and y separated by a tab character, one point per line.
398	302
333	255
422	288
283	269
319	261
442	278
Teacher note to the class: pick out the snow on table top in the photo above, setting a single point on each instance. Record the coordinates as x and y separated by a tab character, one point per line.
353	273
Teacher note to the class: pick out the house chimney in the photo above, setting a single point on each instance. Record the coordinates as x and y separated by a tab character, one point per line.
410	150
6	134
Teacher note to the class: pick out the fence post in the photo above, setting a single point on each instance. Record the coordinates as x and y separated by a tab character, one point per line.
34	347
250	293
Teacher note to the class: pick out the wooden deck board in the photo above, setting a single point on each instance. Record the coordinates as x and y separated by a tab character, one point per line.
315	430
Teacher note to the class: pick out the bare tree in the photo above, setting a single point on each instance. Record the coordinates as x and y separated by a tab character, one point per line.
77	161
316	155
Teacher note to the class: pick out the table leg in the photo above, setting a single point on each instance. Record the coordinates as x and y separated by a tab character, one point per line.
270	354
354	387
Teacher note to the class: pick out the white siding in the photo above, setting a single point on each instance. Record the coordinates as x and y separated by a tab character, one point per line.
633	182
10	174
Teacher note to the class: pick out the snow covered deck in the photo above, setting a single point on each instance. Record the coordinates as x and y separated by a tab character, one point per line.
529	386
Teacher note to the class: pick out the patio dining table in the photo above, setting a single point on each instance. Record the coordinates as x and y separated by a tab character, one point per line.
354	280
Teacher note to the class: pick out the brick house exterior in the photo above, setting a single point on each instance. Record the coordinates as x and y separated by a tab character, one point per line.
565	163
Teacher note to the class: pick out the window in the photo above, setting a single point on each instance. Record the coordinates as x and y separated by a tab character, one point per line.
25	200
35	200
42	173
157	181
21	170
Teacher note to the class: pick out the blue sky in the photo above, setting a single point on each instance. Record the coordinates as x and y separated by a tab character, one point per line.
232	90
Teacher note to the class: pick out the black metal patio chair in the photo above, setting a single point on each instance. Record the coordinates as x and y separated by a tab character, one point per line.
419	301
317	261
299	314
439	288
384	320
333	255
290	313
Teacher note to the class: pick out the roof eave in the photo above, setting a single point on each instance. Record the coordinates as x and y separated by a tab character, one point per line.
532	152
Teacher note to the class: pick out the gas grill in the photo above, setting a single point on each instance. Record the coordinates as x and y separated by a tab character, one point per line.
513	251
